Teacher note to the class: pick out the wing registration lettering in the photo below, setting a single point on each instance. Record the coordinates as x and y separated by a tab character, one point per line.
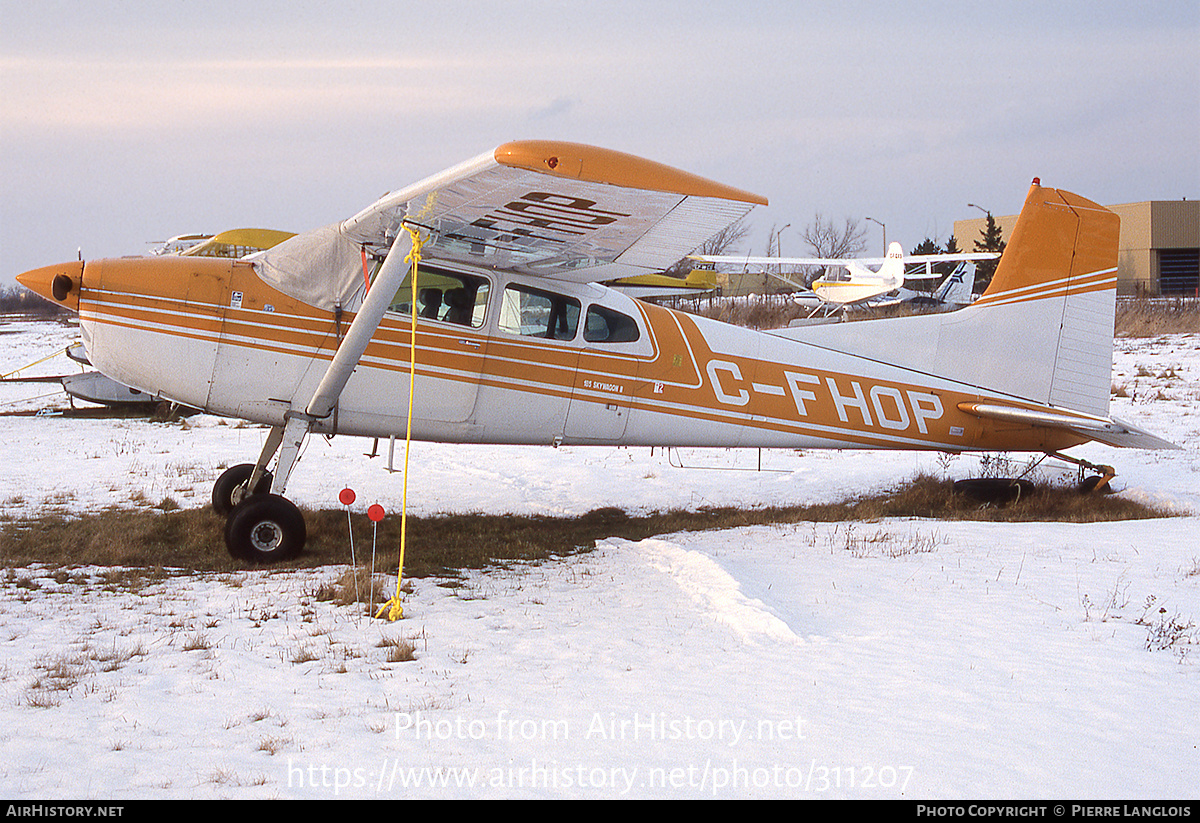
551	214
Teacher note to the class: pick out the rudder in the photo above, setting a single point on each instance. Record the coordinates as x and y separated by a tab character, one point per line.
1062	255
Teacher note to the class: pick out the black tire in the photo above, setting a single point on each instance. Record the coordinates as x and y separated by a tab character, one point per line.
264	529
994	489
230	488
1095	484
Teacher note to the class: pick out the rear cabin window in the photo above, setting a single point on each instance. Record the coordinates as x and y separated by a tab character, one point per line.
444	296
533	313
607	326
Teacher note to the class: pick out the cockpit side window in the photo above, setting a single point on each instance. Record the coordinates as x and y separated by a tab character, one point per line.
607	326
445	296
534	313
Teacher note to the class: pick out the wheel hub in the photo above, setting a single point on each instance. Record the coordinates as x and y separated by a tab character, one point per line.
266	536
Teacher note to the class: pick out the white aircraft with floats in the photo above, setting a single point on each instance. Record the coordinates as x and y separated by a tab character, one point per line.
469	304
859	285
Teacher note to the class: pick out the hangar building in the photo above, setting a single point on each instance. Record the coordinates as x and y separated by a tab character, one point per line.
1159	246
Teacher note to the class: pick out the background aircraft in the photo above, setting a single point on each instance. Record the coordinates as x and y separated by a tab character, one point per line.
859	285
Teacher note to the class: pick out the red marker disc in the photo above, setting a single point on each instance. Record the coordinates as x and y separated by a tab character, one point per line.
346	497
375	513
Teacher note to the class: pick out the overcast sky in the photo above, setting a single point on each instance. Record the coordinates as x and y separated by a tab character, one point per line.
126	123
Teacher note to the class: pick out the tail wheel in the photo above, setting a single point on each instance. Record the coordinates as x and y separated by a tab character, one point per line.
265	528
230	488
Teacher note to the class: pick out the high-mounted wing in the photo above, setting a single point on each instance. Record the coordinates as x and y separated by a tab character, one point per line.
559	210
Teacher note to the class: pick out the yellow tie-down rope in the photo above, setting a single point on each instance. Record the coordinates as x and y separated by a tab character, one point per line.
34	363
393	606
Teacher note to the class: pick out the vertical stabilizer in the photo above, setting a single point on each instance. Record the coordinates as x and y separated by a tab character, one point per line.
1042	331
955	291
1059	271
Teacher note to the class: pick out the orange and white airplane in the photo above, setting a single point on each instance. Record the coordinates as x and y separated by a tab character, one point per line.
517	342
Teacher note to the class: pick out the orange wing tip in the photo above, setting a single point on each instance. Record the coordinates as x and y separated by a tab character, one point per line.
596	165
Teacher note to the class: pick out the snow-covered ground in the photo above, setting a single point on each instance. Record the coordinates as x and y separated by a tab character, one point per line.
900	658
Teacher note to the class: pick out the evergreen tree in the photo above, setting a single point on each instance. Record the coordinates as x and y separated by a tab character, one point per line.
992	241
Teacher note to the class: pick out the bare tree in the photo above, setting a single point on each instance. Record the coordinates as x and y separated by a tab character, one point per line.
723	241
827	240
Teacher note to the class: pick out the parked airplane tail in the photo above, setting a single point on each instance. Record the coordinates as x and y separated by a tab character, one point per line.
955	290
891	273
1041	332
1045	322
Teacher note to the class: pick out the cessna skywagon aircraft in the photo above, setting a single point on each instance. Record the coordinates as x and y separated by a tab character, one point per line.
859	285
515	341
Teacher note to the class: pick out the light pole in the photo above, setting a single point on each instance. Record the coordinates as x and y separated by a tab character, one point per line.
778	249
779	242
884	227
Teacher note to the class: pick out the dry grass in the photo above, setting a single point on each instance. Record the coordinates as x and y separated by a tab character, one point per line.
775	311
180	541
356	585
1149	318
399	649
755	312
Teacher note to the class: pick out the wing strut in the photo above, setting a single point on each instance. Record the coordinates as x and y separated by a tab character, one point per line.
289	438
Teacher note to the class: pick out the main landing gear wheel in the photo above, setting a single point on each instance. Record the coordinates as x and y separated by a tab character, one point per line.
230	488
265	528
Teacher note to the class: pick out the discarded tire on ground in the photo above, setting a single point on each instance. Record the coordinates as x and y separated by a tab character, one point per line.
994	489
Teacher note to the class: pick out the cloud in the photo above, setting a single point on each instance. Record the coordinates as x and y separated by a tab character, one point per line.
554	110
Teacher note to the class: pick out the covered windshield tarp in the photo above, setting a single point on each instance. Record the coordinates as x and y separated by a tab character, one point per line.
322	267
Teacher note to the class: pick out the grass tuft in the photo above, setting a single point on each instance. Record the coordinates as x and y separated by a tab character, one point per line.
399	650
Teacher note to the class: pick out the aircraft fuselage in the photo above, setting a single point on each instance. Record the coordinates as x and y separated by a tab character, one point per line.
210	333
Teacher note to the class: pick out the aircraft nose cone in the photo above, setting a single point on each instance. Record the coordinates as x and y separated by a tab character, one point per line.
59	284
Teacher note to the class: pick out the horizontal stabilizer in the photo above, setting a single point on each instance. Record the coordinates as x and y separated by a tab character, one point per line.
1111	431
1131	437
